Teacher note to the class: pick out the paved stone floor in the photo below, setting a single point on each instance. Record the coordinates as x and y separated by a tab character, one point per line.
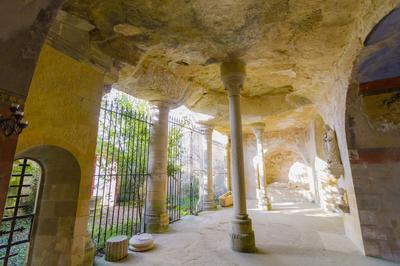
294	233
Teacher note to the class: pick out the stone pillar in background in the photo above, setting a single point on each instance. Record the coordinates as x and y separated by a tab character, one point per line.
228	164
233	74
208	196
264	202
156	217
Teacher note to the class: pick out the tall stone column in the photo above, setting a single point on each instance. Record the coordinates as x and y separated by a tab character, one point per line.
156	217
264	202
208	196
228	164
233	74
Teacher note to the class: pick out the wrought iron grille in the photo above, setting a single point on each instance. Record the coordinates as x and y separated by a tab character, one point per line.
184	168
19	212
120	180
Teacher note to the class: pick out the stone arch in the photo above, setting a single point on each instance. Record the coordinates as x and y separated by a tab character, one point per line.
53	231
372	126
21	40
285	156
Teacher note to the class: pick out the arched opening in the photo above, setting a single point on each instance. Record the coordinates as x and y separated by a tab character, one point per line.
373	131
19	213
287	167
55	219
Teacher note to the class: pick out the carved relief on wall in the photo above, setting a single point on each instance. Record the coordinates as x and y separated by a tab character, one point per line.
332	153
337	199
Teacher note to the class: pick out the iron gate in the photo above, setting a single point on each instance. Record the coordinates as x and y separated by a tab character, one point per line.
184	168
121	173
19	212
120	180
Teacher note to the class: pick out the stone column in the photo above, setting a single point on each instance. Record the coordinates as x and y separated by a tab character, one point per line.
208	196
228	164
242	235
156	217
264	202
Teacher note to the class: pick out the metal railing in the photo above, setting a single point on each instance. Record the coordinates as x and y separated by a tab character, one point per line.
185	158
19	213
120	180
119	188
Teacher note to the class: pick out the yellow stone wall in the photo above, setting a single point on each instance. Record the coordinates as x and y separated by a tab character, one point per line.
62	109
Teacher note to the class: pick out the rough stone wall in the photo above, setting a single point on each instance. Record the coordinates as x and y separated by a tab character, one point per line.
62	108
327	184
332	104
377	188
374	146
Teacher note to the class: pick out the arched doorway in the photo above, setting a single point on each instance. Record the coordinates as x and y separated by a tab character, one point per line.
286	166
373	138
55	225
19	212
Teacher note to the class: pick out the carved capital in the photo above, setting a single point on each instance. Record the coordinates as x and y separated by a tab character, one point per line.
233	75
258	130
206	129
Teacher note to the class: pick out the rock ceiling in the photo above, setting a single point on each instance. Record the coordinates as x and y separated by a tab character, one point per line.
172	49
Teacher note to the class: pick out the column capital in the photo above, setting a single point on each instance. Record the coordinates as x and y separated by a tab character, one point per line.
233	75
162	104
207	129
258	129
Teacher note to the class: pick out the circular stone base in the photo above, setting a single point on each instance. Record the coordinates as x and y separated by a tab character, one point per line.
242	235
141	242
132	248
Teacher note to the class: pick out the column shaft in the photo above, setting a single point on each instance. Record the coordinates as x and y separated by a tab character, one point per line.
263	199
228	164
238	182
156	218
208	201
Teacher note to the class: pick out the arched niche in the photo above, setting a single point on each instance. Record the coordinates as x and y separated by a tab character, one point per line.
373	138
285	165
53	230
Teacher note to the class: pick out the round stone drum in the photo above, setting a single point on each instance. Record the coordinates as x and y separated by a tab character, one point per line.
141	242
116	248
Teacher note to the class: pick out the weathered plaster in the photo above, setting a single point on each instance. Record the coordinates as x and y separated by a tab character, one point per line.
63	107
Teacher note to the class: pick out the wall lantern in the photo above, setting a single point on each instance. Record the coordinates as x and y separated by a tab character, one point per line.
13	124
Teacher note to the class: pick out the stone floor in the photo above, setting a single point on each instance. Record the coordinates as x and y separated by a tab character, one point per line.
294	233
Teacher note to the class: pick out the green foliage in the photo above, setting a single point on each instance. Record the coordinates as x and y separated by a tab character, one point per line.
32	178
125	228
123	140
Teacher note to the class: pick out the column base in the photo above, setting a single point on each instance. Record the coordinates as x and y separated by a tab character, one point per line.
90	252
157	223
242	235
209	205
265	204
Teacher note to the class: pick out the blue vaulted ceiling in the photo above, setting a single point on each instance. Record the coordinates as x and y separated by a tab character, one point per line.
380	59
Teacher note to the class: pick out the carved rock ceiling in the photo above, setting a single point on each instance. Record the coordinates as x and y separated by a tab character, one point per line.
171	49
